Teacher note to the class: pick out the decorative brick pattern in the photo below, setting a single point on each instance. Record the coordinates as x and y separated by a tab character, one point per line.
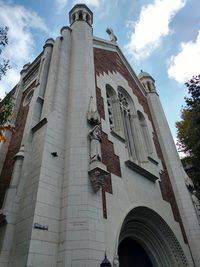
108	156
109	61
107	187
100	104
113	166
105	215
14	146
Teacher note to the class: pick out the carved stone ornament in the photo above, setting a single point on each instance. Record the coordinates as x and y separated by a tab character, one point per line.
95	140
97	172
92	114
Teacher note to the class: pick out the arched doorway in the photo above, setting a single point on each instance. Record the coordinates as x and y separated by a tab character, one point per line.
146	240
131	253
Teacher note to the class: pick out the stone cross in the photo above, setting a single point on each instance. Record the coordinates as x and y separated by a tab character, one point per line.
111	34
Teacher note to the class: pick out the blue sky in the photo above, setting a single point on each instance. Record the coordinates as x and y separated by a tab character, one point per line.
161	37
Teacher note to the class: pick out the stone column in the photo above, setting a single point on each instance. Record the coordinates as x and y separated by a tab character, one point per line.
42	79
61	91
10	208
45	64
17	168
52	79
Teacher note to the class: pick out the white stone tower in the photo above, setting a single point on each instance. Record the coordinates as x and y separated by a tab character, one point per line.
174	166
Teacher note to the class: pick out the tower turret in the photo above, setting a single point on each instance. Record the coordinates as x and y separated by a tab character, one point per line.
80	12
147	81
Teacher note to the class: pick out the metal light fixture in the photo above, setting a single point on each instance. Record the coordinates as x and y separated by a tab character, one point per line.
105	262
54	154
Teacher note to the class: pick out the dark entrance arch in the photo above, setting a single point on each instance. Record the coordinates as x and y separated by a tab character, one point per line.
146	240
132	254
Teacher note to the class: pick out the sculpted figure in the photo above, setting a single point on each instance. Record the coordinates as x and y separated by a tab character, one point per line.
95	147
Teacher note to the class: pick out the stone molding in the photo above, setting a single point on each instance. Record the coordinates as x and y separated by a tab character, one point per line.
141	171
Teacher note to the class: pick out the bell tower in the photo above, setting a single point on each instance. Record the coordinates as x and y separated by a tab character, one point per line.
147	81
80	12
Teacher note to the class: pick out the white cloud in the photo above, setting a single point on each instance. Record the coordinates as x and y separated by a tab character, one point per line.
187	62
153	24
20	49
94	3
60	4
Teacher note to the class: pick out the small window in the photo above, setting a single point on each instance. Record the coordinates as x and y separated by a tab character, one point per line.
87	17
73	17
149	86
80	15
28	98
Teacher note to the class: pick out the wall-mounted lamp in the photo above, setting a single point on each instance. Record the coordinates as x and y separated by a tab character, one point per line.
54	154
105	262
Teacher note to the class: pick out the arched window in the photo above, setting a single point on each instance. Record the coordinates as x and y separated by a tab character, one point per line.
87	17
73	17
110	110
28	98
114	111
127	115
80	15
128	123
145	134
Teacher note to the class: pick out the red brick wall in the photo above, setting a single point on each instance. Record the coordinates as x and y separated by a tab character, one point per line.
108	155
100	105
107	187
113	166
109	61
14	146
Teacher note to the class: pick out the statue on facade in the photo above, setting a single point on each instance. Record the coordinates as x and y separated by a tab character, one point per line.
196	202
97	170
95	146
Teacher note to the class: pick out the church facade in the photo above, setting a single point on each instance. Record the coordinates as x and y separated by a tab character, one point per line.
92	167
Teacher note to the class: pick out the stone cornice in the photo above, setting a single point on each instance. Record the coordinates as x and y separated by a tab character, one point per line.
141	170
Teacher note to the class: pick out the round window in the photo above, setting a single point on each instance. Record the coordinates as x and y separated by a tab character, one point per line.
28	98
